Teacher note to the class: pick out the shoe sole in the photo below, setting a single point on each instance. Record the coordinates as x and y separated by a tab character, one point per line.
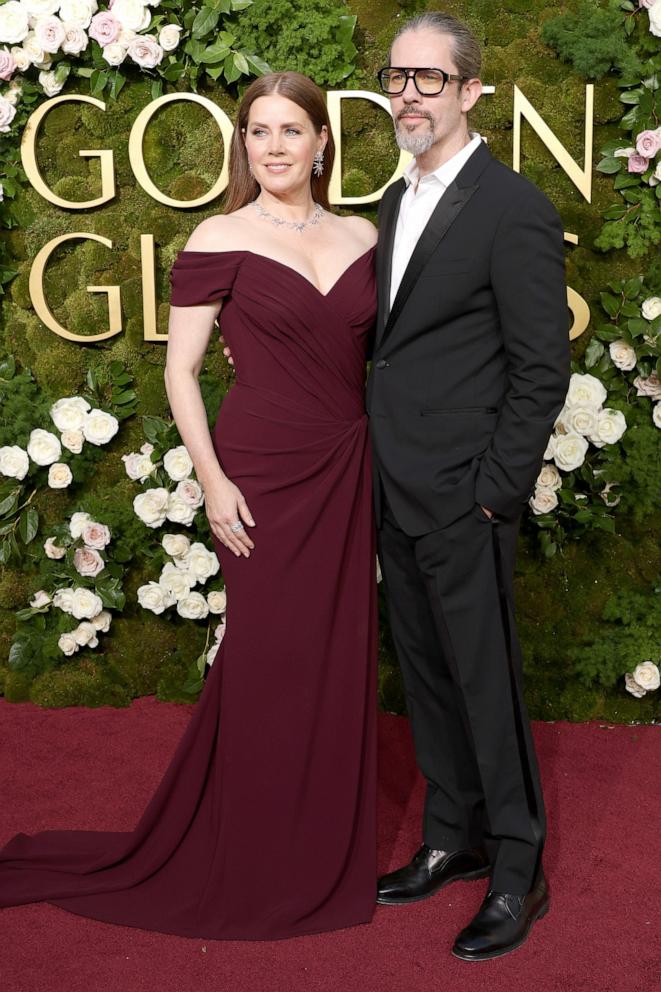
541	913
468	877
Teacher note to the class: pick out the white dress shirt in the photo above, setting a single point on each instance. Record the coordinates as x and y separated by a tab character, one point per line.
418	203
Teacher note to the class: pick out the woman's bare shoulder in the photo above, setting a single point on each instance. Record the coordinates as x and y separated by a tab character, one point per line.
362	228
213	233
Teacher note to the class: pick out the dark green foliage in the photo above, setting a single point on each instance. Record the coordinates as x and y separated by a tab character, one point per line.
310	36
591	38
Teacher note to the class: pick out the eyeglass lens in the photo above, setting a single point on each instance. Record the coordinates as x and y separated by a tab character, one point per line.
428	81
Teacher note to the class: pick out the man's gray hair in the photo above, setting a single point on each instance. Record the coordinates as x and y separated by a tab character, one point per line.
465	47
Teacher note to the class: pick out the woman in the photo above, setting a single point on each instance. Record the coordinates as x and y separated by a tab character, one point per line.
263	825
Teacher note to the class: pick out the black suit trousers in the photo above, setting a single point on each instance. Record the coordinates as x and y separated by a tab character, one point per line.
450	602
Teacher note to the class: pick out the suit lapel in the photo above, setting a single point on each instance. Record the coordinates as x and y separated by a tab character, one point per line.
452	202
384	248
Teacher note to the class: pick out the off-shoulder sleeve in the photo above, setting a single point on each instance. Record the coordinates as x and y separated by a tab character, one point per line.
202	276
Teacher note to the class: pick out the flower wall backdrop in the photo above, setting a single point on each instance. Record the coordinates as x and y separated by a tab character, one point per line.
109	586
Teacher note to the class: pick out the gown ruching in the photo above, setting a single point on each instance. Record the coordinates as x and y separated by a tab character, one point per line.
263	825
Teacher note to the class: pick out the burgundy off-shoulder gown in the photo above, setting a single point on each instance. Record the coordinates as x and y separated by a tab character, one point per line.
263	825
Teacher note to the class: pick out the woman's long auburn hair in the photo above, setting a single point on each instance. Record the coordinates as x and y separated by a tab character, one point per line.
243	187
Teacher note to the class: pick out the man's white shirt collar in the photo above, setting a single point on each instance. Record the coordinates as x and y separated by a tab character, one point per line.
446	173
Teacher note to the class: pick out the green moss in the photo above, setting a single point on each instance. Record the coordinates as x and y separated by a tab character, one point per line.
75	685
17	687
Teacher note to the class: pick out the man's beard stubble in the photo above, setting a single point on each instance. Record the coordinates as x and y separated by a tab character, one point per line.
416	144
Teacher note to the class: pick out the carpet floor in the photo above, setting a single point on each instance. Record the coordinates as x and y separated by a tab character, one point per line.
96	768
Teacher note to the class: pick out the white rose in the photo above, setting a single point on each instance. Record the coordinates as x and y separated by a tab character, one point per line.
585	390
114	53
212	652
7	114
217	601
569	452
78	11
86	603
151	506
59	476
191	492
33	49
88	561
21	58
14	461
647	676
50	84
656	175
622	355
549	477
43	447
85	634
95	535
154	597
651	307
40	598
52	549
178	463
175	581
201	562
68	414
611	425
49	33
178	511
101	621
131	14
543	501
193	606
633	687
168	38
14	24
656	415
146	448
75	39
63	600
654	14
13	94
550	448
41	8
67	644
77	522
560	425
72	441
138	466
581	420
99	427
176	545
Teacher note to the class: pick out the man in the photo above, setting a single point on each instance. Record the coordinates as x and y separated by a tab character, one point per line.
470	369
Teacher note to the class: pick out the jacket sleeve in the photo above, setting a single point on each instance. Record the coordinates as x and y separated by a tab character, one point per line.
528	281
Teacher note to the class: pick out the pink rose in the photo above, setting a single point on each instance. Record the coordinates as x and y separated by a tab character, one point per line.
145	51
95	535
7	64
641	3
651	386
87	561
104	28
648	143
637	163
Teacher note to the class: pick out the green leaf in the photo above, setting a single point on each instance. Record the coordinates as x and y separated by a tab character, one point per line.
609	165
241	4
214	53
127	396
611	304
631	96
614	213
8	368
154	428
28	524
231	71
9	503
626	179
156	89
637	326
91	380
18	653
593	353
259	65
98	81
6	547
241	63
205	21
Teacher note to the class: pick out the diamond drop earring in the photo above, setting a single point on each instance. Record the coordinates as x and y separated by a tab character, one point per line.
318	164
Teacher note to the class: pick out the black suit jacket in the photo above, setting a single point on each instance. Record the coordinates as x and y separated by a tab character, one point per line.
471	366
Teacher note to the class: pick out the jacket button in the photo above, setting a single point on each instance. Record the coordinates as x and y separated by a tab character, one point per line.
382	363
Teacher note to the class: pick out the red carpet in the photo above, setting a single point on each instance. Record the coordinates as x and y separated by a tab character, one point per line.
95	769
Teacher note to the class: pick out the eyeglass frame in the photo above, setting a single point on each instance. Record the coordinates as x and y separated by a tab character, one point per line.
411	74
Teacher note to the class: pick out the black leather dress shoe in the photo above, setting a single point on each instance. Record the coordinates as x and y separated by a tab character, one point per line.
428	872
503	922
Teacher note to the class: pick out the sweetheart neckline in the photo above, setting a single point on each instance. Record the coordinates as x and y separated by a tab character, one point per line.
269	258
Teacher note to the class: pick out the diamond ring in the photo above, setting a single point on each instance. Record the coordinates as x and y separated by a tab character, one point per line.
235	528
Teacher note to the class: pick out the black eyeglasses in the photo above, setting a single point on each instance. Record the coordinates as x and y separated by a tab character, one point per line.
428	82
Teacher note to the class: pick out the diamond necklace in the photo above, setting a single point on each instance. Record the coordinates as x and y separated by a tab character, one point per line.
294	225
